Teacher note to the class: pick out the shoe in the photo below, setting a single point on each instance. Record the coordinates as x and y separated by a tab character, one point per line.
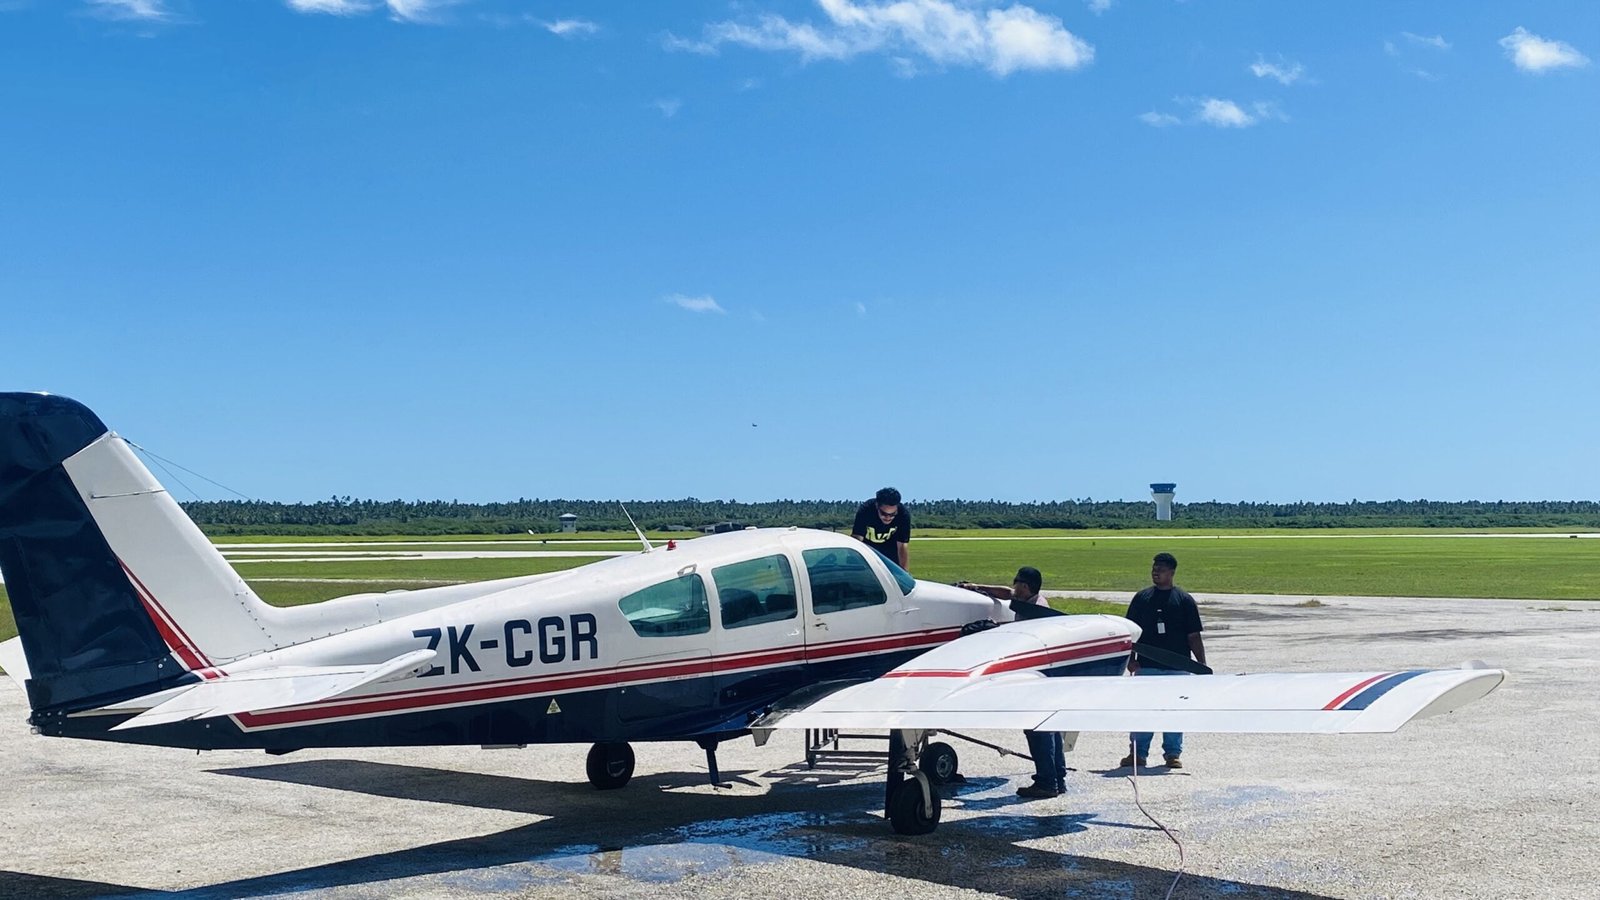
1037	792
1061	788
1173	762
1128	761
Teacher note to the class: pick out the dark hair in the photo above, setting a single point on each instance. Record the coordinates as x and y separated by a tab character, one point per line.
1030	576
888	497
1166	559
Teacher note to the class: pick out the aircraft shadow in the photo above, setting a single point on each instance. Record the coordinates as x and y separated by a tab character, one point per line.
23	884
648	833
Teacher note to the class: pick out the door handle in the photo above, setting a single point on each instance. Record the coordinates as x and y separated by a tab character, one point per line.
820	624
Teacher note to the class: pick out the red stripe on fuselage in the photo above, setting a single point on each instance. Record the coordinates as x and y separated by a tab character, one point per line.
428	698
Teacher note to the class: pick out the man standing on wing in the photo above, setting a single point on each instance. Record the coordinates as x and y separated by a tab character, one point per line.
883	524
1170	621
1046	747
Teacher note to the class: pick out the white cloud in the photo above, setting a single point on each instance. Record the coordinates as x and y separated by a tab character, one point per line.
861	308
696	304
131	10
418	11
1216	112
1159	119
1436	41
1532	53
1224	114
670	41
1099	6
331	7
938	31
1283	71
1266	110
571	28
669	106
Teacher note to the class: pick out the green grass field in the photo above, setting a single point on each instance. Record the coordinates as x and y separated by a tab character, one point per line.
1273	562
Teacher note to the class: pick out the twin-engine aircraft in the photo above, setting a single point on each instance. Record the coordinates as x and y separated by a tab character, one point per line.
133	628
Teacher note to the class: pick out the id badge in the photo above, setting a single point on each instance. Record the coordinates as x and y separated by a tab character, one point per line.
1161	628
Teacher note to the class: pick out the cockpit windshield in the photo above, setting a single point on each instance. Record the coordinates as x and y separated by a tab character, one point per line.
901	576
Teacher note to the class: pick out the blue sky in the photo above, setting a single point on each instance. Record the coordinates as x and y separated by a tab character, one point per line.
782	248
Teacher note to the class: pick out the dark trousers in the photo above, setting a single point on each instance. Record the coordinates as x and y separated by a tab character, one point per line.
1049	759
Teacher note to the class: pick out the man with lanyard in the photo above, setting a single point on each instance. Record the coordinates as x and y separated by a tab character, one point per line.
1046	747
883	524
1170	621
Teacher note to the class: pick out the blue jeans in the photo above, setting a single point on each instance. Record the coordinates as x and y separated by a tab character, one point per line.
1171	741
1049	759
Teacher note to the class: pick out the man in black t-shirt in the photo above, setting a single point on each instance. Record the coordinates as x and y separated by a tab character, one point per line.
883	524
1170	621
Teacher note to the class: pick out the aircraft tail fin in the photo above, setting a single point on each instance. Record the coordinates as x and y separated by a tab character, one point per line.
115	591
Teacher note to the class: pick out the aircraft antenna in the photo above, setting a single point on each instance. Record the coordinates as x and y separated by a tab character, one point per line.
642	539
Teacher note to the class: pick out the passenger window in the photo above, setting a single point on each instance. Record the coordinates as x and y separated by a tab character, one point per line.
840	579
761	590
669	609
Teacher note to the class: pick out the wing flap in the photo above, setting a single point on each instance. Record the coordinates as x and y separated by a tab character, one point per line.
271	688
1313	703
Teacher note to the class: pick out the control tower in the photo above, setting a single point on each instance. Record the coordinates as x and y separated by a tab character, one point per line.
1162	492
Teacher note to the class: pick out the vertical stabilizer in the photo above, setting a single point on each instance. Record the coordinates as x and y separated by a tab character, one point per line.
115	592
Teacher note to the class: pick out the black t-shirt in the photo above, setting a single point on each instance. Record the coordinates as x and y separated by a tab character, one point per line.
882	536
1167	618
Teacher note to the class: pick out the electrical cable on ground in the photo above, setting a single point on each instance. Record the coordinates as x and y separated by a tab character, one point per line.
1133	753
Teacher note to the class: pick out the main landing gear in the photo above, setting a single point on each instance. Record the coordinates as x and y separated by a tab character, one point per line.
911	804
610	765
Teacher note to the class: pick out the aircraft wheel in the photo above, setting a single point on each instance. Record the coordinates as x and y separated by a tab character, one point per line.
610	765
940	763
909	814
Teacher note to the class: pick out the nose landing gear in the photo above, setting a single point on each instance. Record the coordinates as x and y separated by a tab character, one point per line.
911	804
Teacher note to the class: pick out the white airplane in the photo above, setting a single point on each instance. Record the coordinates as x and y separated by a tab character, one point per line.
133	628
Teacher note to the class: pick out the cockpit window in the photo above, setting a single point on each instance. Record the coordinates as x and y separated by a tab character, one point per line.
901	576
669	609
840	579
757	591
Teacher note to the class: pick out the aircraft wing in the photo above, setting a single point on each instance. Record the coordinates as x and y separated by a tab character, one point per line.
268	688
942	689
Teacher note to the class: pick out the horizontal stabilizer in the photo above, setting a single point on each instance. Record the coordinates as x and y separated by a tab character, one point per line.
14	661
1315	703
271	688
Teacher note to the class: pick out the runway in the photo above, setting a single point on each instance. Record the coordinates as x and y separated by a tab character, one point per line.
1498	800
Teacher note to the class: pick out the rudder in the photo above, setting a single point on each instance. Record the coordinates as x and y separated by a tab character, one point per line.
86	634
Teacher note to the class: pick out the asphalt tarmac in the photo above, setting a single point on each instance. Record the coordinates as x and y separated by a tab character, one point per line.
1497	800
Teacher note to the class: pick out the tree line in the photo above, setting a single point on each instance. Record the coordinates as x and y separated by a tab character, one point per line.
346	515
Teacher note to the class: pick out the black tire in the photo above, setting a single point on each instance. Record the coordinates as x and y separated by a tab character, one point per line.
609	765
908	814
940	763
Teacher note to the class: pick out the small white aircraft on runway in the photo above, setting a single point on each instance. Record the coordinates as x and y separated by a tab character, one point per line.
133	628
